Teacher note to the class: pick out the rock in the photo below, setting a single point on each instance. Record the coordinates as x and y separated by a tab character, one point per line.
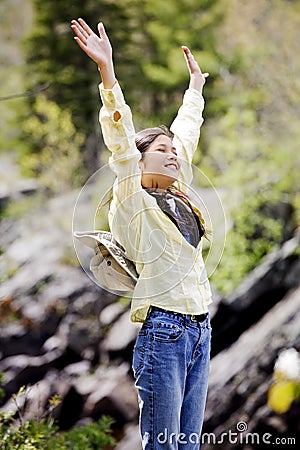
114	394
268	276
22	370
41	304
32	401
56	342
69	283
70	409
217	299
131	439
111	313
121	334
14	337
257	294
271	329
87	305
27	280
35	323
78	369
79	333
22	187
246	368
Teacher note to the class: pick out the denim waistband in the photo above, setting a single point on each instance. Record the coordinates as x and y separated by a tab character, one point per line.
174	315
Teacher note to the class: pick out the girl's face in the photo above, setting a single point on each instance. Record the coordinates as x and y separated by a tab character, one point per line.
159	164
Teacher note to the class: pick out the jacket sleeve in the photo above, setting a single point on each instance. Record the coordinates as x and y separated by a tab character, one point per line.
186	130
119	136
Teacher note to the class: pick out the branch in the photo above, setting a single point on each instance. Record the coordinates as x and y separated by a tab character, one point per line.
33	91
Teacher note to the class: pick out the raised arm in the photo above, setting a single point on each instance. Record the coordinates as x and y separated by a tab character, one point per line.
115	115
197	78
186	126
98	48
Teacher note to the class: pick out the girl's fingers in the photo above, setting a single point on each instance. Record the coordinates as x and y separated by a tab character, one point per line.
102	32
188	55
81	44
85	27
192	63
186	50
78	28
78	32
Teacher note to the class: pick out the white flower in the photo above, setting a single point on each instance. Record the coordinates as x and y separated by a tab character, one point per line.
288	364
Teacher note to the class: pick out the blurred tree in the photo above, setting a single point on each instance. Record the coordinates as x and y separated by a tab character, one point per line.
146	38
54	59
11	64
250	139
253	139
160	70
58	163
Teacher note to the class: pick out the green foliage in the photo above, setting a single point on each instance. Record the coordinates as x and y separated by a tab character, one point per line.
69	257
11	62
146	38
56	159
44	434
260	177
53	58
257	228
93	436
34	435
18	209
9	111
251	145
29	436
160	75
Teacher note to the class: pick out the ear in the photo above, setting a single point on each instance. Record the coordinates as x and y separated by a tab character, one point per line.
141	164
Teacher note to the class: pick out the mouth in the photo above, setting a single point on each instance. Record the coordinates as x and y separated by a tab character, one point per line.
172	166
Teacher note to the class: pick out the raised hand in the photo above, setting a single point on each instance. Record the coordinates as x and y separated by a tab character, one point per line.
197	78
98	48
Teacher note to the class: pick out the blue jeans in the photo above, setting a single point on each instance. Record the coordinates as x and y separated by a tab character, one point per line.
171	367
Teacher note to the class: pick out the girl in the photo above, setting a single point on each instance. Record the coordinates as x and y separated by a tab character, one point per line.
151	216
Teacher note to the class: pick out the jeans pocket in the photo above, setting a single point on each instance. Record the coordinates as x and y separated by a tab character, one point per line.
167	332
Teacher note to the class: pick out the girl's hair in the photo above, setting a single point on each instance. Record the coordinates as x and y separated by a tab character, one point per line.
145	137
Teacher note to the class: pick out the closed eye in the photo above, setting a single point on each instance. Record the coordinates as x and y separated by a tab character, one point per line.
164	150
161	150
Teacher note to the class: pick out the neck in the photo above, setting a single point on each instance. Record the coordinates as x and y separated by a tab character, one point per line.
157	189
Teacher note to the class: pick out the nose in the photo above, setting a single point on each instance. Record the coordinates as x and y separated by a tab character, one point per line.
173	158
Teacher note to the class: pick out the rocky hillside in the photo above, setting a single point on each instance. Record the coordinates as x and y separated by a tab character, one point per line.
61	334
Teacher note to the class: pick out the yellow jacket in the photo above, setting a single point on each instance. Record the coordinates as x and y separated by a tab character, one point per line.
171	272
